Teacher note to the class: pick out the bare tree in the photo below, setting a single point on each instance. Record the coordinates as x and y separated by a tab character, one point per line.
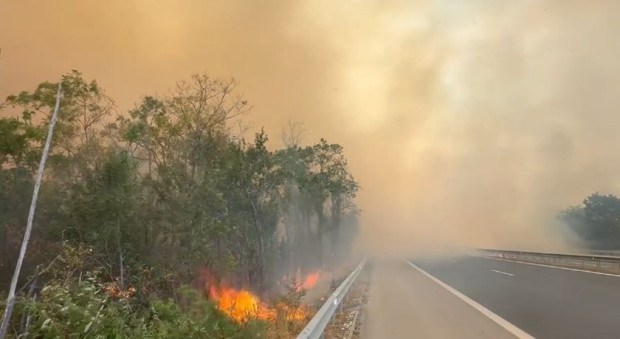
292	133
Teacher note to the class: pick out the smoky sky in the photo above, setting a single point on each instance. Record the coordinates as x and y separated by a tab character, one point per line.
466	122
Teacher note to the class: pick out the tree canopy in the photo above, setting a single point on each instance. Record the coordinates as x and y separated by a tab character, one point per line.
596	222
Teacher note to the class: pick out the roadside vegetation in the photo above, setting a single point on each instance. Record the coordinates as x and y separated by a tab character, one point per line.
595	224
138	208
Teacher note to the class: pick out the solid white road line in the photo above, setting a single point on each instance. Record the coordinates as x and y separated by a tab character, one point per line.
504	273
519	333
550	266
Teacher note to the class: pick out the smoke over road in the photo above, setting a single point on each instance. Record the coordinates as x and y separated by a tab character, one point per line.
466	123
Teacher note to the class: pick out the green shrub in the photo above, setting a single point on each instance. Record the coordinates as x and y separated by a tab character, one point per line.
85	310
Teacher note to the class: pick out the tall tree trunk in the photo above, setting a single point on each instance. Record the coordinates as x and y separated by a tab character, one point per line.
336	220
320	231
4	250
121	267
261	246
302	242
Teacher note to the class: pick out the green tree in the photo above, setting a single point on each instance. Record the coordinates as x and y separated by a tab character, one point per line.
101	212
18	161
254	180
85	111
597	222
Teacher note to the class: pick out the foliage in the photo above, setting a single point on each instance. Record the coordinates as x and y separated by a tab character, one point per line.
133	206
85	310
81	305
596	222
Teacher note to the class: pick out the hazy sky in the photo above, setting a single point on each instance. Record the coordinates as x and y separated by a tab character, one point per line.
466	122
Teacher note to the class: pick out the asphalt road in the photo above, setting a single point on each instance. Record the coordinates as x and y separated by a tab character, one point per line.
542	301
404	303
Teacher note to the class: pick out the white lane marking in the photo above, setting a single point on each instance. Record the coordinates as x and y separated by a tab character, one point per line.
558	267
519	333
504	273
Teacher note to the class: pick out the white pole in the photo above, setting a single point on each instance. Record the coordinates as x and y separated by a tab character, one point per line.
10	302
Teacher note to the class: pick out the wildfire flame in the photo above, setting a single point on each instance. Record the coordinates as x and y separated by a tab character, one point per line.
242	305
310	280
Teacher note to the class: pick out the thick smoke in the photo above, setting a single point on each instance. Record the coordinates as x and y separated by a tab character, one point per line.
466	122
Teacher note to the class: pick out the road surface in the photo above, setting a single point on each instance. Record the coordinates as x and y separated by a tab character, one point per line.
540	301
404	303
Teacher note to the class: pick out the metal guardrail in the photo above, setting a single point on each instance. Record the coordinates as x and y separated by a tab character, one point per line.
597	263
318	323
607	253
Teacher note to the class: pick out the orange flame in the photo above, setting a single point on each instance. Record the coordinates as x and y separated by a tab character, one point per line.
310	280
242	305
300	313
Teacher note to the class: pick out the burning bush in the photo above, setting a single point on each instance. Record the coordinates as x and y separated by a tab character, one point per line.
242	305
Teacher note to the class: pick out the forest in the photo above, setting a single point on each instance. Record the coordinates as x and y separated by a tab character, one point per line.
143	214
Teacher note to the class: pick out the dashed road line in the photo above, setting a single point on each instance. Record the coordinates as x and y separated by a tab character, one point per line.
504	273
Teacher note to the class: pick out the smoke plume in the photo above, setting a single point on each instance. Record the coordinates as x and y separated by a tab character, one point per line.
467	123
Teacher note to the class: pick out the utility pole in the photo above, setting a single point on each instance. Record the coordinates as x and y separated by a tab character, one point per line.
10	302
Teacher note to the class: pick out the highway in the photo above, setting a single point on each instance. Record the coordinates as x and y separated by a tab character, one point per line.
475	297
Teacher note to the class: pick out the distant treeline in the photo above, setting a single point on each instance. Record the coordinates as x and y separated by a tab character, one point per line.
138	203
596	223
